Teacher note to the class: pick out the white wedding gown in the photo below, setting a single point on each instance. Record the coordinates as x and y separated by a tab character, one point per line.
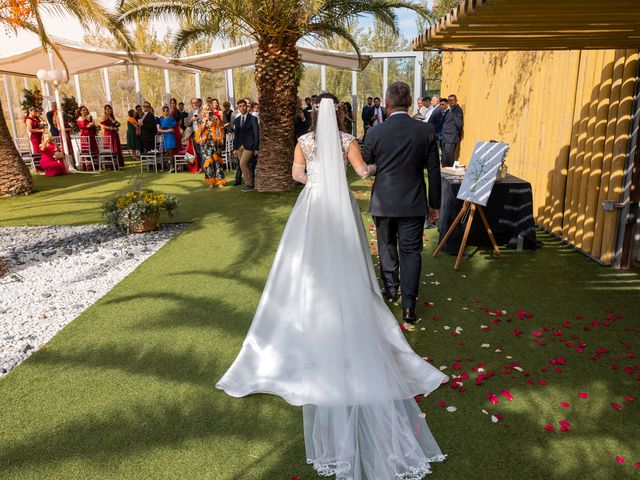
323	337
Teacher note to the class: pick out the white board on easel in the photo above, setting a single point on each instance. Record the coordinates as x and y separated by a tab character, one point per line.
482	172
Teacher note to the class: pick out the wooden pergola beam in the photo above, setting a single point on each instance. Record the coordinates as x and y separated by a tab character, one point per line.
547	24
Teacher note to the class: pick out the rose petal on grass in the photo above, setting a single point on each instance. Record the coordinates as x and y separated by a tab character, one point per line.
616	406
620	459
506	394
451	409
565	405
583	395
549	428
564	426
629	398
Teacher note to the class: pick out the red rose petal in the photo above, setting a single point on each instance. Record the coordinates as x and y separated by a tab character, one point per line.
629	398
617	406
564	426
565	405
549	428
442	403
620	459
583	395
506	394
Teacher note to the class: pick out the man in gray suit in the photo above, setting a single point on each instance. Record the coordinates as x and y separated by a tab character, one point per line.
452	126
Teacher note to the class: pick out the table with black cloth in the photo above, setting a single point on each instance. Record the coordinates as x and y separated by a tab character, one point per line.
509	212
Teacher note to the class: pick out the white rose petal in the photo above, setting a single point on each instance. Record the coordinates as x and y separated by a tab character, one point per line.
485	345
485	412
451	409
494	419
446	327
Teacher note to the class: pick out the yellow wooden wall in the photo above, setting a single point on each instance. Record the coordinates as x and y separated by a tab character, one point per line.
566	115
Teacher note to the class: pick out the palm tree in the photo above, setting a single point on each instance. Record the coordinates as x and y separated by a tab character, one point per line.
17	15
276	26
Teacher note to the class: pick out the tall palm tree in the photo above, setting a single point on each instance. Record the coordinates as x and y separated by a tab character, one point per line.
277	26
19	15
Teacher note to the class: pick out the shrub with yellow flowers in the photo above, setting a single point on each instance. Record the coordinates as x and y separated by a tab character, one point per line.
137	206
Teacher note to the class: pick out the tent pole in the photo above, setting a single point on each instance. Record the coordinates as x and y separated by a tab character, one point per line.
198	91
76	82
231	87
63	130
354	102
107	85
417	78
385	78
323	78
12	117
167	85
136	78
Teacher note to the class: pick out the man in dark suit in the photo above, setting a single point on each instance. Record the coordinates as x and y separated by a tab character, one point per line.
452	126
148	128
378	113
367	123
246	141
402	148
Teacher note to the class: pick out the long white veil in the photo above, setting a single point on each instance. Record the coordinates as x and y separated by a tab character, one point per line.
360	419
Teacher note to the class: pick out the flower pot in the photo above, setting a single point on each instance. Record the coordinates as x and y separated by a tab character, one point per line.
147	225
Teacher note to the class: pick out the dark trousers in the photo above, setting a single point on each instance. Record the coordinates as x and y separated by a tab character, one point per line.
147	141
401	235
448	154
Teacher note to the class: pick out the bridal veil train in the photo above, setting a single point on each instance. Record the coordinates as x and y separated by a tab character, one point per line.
323	337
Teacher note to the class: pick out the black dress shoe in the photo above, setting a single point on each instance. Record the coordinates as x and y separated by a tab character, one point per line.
391	295
237	184
409	315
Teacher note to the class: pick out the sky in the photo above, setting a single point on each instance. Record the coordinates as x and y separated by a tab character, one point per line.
70	29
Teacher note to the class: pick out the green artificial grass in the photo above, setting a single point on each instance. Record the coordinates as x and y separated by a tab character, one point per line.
126	391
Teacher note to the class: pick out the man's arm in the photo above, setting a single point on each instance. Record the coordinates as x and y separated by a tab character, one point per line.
236	137
458	118
367	148
432	164
256	132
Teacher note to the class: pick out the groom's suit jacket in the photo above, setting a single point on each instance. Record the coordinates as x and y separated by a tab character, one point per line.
402	148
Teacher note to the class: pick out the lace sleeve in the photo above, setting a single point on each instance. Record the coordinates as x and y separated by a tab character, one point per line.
298	172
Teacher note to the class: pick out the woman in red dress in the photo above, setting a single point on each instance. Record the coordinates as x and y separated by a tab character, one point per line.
88	128
177	116
217	111
35	129
111	126
52	160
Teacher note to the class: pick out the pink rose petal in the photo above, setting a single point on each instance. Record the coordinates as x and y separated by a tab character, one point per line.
583	395
620	459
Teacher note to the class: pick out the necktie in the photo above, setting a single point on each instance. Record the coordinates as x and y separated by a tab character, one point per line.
242	121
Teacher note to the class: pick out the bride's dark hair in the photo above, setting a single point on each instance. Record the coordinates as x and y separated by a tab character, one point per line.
340	112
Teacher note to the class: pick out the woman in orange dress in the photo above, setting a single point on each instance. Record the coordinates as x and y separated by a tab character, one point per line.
210	135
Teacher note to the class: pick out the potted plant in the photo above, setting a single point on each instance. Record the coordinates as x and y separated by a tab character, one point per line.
139	210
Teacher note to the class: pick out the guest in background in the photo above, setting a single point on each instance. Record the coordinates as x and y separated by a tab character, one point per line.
348	118
183	116
167	128
133	134
210	136
302	121
246	141
215	108
192	123
35	129
177	116
378	113
422	108
437	119
309	106
228	116
52	160
88	128
148	128
255	110
139	112
367	122
432	107
110	128
51	116
452	126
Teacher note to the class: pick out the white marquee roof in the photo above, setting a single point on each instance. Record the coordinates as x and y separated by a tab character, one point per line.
244	55
80	58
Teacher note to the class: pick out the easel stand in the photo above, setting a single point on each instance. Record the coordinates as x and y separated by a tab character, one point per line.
471	207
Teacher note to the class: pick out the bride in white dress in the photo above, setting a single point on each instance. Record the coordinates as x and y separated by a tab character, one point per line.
323	337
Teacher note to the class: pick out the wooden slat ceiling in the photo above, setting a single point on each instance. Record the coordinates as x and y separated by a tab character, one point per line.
536	25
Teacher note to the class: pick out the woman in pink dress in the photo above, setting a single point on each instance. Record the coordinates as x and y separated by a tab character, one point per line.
35	129
52	160
88	128
111	126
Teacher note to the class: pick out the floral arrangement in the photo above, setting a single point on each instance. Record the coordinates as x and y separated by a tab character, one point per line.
70	109
136	207
32	98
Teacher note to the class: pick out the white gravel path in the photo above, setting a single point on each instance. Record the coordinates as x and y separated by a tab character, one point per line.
54	273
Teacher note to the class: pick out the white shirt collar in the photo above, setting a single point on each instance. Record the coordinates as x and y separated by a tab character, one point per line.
400	112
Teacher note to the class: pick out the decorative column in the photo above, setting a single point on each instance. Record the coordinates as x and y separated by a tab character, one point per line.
385	78
354	101
107	86
323	78
167	85
231	88
198	89
136	79
76	81
417	77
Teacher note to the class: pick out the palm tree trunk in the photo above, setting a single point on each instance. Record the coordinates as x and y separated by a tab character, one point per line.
15	178
277	75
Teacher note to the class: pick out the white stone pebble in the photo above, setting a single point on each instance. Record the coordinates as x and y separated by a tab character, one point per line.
55	273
